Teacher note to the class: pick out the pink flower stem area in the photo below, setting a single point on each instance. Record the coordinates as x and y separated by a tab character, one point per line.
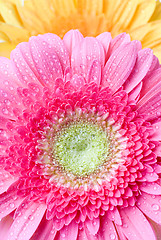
80	150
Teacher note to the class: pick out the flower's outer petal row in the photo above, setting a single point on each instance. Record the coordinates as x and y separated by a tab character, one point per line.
82	209
135	225
121	64
26	221
150	205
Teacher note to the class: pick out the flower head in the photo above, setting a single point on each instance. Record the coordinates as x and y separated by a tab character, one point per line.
80	138
21	19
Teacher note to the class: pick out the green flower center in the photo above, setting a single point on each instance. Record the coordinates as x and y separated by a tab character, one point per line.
82	147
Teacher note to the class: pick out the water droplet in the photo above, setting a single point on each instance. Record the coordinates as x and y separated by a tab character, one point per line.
112	236
155	207
12	205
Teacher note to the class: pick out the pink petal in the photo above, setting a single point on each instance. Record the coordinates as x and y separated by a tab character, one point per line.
72	39
157	149
151	177
58	47
9	201
151	103
46	61
142	66
5	224
105	39
151	188
157	134
90	49
5	180
77	81
94	73
155	64
135	93
45	231
69	231
119	66
114	216
107	230
27	221
93	225
120	233
135	225
85	235
9	80
118	41
150	205
24	66
8	89
82	235
150	81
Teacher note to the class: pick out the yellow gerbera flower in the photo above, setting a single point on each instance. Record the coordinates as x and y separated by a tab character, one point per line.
19	19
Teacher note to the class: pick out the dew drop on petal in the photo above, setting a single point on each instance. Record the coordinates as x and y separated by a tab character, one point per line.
112	236
12	205
155	207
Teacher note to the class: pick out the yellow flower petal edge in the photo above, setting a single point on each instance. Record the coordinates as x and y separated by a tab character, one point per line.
21	19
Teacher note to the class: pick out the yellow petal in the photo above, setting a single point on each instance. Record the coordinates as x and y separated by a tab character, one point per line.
140	32
31	21
89	7
16	2
28	4
110	7
3	37
43	9
64	8
15	34
143	13
124	13
154	44
6	48
157	52
157	13
10	14
153	34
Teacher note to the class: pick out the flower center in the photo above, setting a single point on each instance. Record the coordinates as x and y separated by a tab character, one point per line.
81	147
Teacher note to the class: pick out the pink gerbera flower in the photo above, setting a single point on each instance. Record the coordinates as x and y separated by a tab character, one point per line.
80	139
